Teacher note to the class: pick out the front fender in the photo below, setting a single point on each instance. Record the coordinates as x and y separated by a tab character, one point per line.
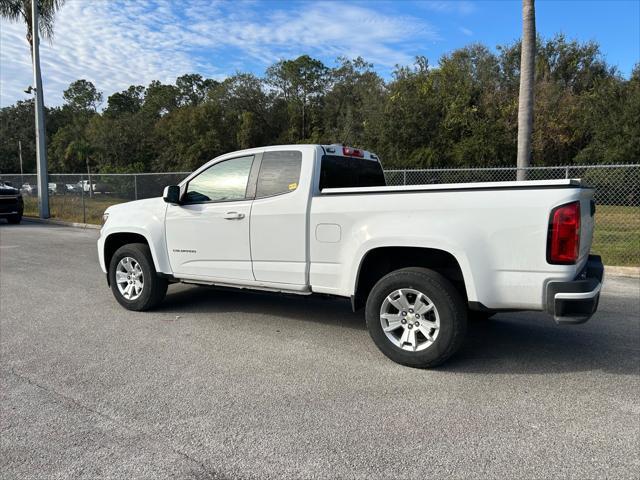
142	217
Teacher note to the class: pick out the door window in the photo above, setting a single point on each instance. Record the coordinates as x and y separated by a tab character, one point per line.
222	182
279	173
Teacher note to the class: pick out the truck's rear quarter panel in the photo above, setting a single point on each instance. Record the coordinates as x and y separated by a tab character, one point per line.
498	236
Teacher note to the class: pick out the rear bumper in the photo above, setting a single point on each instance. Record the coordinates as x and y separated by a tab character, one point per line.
576	301
11	206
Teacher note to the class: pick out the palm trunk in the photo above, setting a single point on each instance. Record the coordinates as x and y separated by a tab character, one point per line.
41	139
525	104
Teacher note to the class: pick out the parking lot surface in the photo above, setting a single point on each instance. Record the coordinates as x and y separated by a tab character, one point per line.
219	384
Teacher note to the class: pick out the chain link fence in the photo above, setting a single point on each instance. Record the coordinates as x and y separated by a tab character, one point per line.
83	198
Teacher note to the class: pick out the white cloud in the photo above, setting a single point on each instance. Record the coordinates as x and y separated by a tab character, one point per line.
466	31
462	7
116	44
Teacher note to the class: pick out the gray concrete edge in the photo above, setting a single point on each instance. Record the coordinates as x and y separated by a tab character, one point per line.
53	221
632	272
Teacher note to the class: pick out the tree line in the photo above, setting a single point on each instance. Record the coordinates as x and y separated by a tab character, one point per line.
461	112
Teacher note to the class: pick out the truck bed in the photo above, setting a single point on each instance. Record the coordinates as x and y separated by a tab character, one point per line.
496	231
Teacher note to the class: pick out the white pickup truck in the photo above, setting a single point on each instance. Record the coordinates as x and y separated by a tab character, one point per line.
319	219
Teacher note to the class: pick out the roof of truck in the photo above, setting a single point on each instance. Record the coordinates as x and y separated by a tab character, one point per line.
333	149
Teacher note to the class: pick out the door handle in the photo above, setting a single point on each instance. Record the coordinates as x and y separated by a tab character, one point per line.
233	216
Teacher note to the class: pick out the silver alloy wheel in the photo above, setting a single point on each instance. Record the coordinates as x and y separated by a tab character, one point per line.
129	278
409	319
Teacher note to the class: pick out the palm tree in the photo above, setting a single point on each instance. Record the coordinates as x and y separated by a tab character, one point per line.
525	104
42	14
20	10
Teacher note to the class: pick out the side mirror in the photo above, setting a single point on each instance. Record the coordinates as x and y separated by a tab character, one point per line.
172	194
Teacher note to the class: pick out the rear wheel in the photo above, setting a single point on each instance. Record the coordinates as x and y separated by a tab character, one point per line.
416	317
133	278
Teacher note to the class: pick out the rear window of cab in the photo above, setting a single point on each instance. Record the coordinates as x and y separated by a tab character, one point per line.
347	172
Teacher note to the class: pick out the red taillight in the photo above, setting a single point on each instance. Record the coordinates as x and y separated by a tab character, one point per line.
563	243
352	152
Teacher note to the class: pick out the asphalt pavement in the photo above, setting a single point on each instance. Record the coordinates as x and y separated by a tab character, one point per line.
225	385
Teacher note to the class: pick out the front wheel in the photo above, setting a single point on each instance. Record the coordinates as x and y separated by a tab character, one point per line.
416	317
133	278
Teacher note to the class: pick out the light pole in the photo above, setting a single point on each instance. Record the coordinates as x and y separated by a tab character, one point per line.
41	139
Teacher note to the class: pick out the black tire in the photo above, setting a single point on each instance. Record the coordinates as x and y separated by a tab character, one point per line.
452	311
14	219
155	287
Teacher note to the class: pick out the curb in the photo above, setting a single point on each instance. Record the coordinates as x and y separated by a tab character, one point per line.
62	223
630	272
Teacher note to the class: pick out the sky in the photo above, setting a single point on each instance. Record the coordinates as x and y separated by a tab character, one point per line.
117	43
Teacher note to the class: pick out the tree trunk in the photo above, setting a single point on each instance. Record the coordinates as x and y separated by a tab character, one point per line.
304	101
41	139
527	70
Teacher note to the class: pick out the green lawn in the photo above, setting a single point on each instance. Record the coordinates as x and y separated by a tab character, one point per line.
617	235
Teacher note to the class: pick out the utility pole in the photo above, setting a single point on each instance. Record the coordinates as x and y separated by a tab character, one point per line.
89	175
41	139
527	77
20	156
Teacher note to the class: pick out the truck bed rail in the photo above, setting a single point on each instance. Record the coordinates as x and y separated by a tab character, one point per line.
534	184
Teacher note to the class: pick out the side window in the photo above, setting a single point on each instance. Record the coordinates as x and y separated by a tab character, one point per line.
279	173
220	182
